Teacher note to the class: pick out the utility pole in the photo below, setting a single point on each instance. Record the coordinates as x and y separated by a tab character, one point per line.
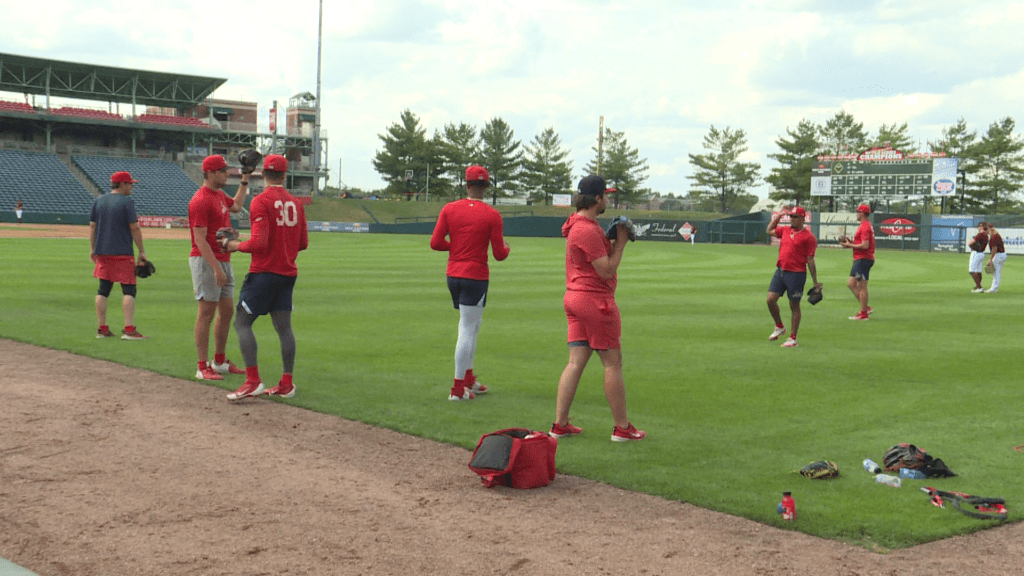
316	127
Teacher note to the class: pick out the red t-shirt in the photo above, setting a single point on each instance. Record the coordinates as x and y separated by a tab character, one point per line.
995	244
210	209
469	224
585	241
795	248
980	242
278	232
864	232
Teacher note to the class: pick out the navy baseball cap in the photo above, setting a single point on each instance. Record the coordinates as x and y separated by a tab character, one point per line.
594	185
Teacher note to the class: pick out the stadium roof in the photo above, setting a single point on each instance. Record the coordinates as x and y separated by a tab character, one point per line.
28	75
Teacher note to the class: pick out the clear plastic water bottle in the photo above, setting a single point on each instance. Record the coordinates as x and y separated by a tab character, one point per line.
912	474
788	506
871	466
888	480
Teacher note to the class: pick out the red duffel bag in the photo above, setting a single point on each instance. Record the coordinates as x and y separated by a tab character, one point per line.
516	457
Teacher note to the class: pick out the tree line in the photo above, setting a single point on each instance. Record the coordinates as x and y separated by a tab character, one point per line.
411	162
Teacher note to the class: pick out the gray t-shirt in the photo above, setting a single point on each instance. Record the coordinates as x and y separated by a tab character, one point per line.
112	214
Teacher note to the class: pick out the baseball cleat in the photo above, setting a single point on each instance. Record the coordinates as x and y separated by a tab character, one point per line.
208	373
104	333
870	310
558	431
627	434
790	343
466	395
248	390
860	316
227	368
977	290
281	391
133	335
992	291
477	388
779	331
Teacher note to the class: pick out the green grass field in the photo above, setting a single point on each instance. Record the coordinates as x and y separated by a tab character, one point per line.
730	416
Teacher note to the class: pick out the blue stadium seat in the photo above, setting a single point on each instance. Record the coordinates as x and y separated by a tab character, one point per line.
42	182
163	188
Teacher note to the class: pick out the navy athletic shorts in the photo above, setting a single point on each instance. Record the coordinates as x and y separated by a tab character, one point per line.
467	292
266	292
861	268
789	283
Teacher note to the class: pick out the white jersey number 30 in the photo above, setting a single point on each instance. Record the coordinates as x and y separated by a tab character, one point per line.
287	214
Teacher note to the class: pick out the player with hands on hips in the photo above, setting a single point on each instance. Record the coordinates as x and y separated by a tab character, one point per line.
279	233
796	257
863	245
591	276
464	229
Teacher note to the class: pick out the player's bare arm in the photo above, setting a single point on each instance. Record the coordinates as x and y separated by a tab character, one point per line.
813	269
238	202
207	252
607	266
775	220
92	241
136	231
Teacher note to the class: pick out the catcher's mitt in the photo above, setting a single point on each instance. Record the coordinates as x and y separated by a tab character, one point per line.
814	295
611	233
249	159
145	270
903	455
225	235
990	268
843	238
820	470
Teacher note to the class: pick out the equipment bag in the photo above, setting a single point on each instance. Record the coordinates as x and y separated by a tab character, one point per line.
516	457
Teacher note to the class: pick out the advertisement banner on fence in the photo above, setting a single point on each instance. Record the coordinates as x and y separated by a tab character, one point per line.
561	199
338	226
948	232
832	225
163	222
665	230
899	231
1013	239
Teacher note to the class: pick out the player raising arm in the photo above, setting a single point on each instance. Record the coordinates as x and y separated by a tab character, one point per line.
796	258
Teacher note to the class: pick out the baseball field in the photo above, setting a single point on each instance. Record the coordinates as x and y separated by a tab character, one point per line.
730	416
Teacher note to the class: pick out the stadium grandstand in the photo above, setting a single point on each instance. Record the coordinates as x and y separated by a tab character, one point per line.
66	126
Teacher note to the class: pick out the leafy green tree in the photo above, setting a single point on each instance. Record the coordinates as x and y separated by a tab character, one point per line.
792	178
460	148
1001	163
719	175
896	137
500	153
545	168
406	149
959	142
621	167
842	135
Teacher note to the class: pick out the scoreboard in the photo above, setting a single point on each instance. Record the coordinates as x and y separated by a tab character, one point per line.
896	178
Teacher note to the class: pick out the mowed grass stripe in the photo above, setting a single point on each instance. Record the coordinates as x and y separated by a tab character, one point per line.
730	415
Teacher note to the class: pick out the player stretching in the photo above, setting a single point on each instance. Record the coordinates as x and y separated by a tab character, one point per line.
113	225
470	225
278	234
591	275
977	261
796	257
863	245
213	280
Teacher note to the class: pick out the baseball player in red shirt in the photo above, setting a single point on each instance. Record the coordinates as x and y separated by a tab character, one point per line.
863	245
213	280
279	233
591	275
470	225
997	257
976	265
796	257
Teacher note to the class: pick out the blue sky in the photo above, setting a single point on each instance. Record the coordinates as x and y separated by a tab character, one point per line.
663	72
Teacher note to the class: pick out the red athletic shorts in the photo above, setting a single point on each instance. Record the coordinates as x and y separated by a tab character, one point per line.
593	318
120	269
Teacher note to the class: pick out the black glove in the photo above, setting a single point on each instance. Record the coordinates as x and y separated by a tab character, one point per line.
612	233
814	295
225	235
249	159
145	270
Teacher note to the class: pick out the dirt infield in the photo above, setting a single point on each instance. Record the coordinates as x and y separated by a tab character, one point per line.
107	470
70	231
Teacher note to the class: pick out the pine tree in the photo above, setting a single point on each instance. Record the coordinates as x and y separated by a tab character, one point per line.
719	176
545	169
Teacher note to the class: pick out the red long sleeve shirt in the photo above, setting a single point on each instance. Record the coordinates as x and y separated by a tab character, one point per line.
469	225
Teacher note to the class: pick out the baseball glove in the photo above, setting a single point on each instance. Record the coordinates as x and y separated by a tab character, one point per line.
814	295
843	238
903	455
249	159
145	270
611	233
990	268
225	235
820	470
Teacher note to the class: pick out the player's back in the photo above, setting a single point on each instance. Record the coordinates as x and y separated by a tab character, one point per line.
281	218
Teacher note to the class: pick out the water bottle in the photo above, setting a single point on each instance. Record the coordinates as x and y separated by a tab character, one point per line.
893	481
871	467
912	474
788	506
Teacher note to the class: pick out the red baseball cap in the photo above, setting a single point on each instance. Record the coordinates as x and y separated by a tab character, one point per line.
864	209
214	163
119	177
275	163
477	173
798	211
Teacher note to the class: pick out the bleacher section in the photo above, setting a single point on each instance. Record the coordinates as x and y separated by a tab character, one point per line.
16	106
163	188
173	120
86	113
42	182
